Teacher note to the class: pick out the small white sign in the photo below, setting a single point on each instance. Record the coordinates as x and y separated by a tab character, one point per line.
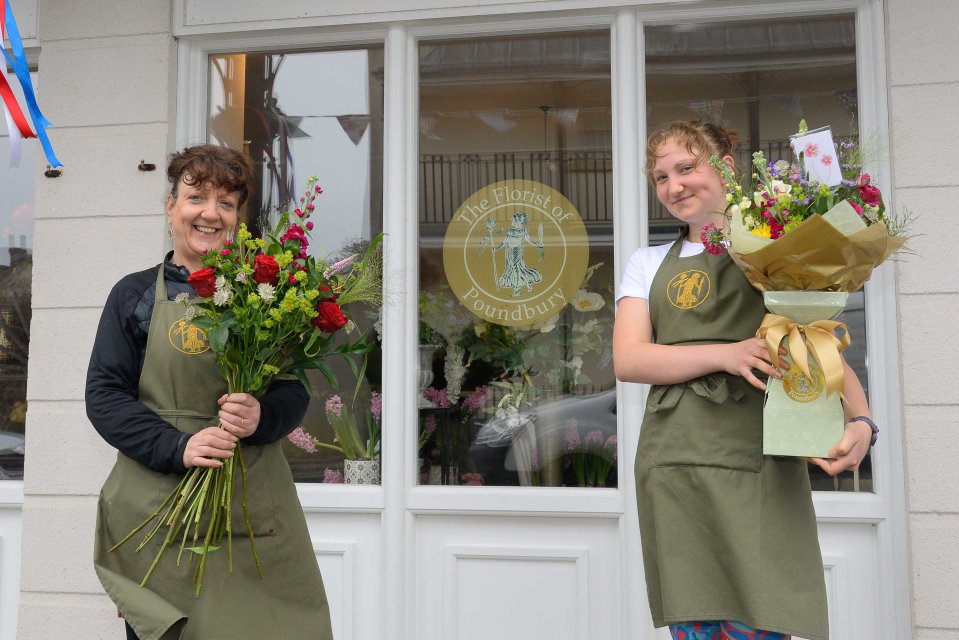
817	152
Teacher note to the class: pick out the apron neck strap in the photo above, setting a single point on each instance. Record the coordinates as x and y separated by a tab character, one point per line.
677	247
161	284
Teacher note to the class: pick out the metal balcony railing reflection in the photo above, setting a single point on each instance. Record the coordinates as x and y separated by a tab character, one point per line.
584	177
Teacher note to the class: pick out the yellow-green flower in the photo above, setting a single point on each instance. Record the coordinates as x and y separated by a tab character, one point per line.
284	259
300	276
243	234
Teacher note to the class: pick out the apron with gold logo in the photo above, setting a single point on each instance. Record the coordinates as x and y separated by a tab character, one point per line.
181	383
727	533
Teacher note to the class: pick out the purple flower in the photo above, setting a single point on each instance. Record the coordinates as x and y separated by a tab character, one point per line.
302	440
376	406
332	476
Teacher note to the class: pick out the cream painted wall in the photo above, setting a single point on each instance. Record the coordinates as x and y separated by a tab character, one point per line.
923	68
108	84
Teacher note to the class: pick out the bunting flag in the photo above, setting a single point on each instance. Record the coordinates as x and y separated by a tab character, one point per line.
354	126
496	120
18	62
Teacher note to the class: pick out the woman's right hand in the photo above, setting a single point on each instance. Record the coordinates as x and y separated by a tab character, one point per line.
748	355
208	447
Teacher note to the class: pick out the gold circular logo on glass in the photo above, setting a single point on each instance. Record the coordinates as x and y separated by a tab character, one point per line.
515	252
688	289
800	388
187	338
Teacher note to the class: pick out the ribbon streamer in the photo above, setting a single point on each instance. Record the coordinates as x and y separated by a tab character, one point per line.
819	337
22	70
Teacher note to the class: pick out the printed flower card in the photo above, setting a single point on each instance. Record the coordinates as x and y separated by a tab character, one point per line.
817	151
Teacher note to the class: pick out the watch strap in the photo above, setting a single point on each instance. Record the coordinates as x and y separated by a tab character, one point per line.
872	425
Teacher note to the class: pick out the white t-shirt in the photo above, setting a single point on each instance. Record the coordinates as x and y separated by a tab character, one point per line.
643	265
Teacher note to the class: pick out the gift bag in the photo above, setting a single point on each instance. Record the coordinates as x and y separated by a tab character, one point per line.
803	413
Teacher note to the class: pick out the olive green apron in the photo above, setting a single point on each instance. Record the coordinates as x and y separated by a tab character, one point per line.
181	383
727	533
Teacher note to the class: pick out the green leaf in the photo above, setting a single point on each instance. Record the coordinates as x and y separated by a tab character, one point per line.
199	550
218	336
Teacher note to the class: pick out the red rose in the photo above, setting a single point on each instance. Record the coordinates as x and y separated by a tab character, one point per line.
203	281
870	195
330	318
265	270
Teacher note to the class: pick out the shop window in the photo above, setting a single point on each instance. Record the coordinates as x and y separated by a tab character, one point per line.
16	275
759	79
315	113
516	385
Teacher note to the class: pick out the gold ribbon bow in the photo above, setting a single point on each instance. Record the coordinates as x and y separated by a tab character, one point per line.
820	336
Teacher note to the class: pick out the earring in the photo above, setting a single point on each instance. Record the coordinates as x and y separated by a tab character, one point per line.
169	230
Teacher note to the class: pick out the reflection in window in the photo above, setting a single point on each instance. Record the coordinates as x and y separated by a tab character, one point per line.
301	114
516	385
759	78
16	269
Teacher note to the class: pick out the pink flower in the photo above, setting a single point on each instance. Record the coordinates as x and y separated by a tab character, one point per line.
302	440
319	189
610	447
713	240
298	212
376	406
439	397
334	405
594	440
573	441
309	225
811	150
477	400
472	479
310	207
863	180
856	207
224	252
429	426
826	160
870	195
332	476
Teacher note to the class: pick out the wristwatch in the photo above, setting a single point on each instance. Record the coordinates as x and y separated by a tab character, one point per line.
872	425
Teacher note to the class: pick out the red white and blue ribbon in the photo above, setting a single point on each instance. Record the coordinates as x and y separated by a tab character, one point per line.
16	122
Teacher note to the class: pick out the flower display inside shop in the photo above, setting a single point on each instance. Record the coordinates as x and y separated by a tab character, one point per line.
268	308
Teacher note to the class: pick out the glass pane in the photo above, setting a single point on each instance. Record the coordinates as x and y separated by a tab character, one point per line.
316	113
758	79
516	282
16	269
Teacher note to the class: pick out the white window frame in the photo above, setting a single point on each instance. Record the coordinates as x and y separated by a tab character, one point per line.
885	508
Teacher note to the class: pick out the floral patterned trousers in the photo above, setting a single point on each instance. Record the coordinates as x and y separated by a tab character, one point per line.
720	630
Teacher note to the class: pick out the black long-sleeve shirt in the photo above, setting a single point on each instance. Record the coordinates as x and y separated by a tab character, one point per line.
113	379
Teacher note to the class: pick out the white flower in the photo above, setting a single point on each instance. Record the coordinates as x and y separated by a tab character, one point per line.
349	326
546	325
243	277
221	283
587	327
191	312
182	297
586	301
222	297
266	291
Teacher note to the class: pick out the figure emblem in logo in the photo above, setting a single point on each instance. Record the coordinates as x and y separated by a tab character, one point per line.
516	274
688	289
187	338
800	388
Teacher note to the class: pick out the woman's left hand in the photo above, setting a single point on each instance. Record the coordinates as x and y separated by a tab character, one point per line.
850	451
239	413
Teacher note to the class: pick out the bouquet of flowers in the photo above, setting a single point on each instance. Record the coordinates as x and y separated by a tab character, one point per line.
268	309
806	234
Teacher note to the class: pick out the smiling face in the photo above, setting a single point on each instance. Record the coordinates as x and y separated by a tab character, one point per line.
689	189
201	217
